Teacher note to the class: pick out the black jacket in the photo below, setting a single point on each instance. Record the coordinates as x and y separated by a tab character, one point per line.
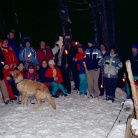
134	64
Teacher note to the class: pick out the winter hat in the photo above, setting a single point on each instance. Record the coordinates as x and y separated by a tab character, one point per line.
26	39
134	46
51	61
31	65
79	46
90	40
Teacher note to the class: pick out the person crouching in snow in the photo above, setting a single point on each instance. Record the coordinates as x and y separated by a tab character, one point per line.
31	74
81	70
111	64
56	85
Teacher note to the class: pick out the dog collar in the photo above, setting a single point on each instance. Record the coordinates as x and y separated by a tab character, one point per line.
18	82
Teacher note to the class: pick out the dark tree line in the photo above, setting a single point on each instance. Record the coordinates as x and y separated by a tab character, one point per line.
102	19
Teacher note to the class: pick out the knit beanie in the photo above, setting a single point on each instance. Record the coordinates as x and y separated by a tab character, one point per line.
134	46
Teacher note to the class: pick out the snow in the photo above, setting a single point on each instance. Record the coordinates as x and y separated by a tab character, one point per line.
76	116
134	124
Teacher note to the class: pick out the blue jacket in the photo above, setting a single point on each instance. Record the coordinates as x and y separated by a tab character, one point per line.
80	67
134	64
25	51
41	73
111	65
14	47
92	58
103	55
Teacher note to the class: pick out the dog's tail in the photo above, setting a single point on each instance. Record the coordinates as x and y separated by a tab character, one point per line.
50	100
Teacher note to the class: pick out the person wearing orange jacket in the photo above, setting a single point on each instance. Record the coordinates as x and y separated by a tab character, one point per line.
11	61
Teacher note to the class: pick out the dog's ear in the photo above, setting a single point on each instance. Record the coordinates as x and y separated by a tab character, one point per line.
16	73
12	73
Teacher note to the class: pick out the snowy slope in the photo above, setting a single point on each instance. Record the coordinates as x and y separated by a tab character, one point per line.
76	116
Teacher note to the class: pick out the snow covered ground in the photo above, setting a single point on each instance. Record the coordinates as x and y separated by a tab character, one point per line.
76	116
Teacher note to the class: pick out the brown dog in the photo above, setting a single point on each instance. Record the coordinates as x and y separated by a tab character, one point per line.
32	88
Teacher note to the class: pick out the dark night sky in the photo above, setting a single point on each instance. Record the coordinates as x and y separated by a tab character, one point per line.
39	19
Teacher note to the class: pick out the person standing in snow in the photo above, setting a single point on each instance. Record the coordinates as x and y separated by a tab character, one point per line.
4	90
111	64
92	60
10	64
81	70
134	66
12	42
43	52
62	60
104	52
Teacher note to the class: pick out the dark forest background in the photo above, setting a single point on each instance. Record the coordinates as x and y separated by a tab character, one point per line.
40	19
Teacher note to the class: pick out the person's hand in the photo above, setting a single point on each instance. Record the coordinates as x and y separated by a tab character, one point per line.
66	65
14	65
11	65
37	67
8	78
6	66
27	63
55	78
75	59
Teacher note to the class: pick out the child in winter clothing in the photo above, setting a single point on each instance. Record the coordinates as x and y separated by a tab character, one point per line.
31	74
58	80
81	70
111	65
28	54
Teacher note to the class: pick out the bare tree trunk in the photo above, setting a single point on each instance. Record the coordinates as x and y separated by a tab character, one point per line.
112	22
95	23
104	23
65	22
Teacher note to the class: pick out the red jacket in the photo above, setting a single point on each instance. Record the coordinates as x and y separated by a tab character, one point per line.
10	57
44	55
49	74
80	56
31	76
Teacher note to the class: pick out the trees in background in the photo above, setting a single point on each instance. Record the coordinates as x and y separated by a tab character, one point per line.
102	18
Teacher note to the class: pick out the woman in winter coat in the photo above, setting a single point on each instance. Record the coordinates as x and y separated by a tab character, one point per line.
11	61
44	53
41	72
111	64
4	90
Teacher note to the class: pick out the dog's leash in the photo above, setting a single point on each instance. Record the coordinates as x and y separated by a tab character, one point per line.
115	121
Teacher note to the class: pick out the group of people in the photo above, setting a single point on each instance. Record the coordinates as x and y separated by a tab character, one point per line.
94	70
